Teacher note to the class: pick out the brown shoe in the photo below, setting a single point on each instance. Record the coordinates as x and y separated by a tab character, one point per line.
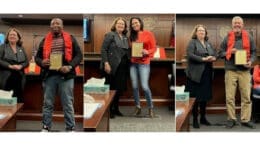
137	111
151	113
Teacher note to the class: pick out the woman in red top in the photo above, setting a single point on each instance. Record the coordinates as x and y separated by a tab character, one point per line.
256	78
140	67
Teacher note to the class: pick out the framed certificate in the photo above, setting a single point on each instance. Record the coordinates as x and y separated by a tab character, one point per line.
137	49
240	57
55	61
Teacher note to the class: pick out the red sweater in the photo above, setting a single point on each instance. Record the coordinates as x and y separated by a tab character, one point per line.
256	76
149	42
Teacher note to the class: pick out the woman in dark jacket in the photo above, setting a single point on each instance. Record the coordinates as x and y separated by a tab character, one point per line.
13	60
199	72
115	61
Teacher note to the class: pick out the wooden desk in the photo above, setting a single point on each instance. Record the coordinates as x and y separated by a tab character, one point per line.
100	119
9	122
182	120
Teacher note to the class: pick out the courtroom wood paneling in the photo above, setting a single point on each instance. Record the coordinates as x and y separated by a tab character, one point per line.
160	24
32	34
217	25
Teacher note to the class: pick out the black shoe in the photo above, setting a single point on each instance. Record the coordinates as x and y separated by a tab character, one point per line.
204	121
72	129
118	113
196	124
112	115
230	124
248	124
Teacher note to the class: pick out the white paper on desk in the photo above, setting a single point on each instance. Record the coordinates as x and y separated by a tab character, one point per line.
95	82
88	98
90	109
6	94
2	116
178	112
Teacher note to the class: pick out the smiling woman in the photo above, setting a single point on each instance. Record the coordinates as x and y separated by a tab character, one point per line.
199	72
12	62
114	62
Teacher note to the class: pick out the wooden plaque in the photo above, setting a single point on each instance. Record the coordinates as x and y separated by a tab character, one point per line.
240	57
55	61
137	49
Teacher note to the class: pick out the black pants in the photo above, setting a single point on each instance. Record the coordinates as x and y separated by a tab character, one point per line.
14	82
118	82
196	106
114	105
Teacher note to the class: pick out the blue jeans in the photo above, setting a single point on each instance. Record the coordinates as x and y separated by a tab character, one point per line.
256	91
65	90
143	72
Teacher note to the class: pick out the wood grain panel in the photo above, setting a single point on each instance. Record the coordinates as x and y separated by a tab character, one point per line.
160	24
32	34
218	26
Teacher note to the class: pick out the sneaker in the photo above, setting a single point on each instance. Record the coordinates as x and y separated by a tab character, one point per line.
230	124
248	124
45	129
137	111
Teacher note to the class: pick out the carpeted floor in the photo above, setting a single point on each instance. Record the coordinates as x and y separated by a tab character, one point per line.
163	122
218	122
35	126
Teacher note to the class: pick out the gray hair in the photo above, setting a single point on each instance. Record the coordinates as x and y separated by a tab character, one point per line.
238	17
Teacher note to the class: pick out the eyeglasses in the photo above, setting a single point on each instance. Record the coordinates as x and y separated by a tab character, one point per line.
121	23
201	30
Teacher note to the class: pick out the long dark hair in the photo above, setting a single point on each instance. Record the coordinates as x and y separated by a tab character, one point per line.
19	42
133	33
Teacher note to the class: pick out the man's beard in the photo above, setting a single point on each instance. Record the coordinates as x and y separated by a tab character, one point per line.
238	33
56	33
